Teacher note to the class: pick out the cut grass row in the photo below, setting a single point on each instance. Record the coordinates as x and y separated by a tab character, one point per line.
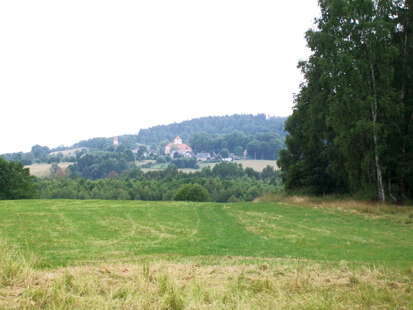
70	232
64	254
224	283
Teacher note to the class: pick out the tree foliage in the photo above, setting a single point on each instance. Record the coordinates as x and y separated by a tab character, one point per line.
192	192
15	181
96	165
226	182
259	146
352	125
214	125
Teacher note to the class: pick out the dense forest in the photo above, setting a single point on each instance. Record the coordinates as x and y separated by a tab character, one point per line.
216	128
258	146
225	182
213	125
352	125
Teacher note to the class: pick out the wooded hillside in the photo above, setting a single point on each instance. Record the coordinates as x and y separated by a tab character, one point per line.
245	123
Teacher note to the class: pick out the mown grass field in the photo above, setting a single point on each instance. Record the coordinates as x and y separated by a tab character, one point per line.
174	255
43	170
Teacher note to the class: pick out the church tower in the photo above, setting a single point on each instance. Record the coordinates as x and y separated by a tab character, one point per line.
178	140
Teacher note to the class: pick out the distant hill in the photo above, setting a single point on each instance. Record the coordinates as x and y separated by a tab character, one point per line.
245	123
246	127
213	125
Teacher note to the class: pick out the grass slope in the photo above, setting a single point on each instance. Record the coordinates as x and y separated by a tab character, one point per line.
70	232
66	254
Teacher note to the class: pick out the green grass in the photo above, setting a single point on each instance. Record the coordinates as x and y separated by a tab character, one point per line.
72	254
73	232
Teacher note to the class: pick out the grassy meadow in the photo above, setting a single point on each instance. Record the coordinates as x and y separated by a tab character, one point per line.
174	255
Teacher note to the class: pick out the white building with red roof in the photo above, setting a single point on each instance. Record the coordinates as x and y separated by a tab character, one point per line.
177	146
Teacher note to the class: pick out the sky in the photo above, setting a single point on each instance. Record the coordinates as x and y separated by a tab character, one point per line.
74	70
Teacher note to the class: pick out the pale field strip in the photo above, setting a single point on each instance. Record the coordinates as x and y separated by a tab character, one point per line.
43	170
71	152
257	165
156	283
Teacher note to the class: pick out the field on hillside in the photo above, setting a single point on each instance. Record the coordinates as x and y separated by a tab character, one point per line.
43	170
71	152
257	165
170	255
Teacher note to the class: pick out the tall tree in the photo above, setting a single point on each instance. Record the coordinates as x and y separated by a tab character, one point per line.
351	101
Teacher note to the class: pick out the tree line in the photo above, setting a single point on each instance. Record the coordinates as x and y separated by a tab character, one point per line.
38	154
352	125
213	125
225	182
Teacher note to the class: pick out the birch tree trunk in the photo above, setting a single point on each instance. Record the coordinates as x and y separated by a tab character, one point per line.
376	149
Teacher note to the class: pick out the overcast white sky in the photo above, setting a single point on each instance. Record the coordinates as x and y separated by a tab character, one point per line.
73	70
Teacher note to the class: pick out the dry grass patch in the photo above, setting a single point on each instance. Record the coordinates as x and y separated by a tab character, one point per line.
156	282
162	284
370	208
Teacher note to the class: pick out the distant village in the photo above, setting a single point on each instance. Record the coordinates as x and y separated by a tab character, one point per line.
178	149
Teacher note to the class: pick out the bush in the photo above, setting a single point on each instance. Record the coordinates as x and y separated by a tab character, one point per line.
192	192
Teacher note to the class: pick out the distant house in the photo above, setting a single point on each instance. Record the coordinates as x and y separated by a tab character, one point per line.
177	146
189	154
203	156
